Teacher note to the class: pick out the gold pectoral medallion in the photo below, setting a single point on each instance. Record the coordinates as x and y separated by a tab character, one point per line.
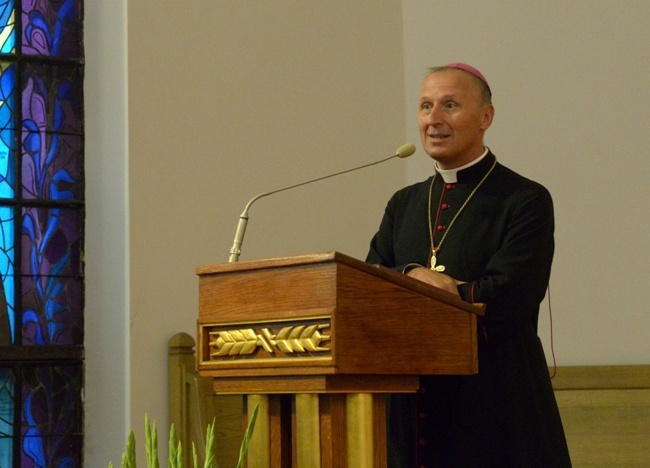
439	268
434	249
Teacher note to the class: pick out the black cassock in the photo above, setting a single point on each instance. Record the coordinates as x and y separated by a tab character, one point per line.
501	245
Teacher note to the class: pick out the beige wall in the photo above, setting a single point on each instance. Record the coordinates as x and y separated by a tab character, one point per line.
107	395
230	99
572	111
227	99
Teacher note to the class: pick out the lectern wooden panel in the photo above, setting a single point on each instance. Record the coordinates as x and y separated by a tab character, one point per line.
327	324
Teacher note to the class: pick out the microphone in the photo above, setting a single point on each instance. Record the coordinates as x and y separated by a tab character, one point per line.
403	151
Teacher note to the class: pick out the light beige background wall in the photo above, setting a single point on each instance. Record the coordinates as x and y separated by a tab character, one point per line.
107	392
227	99
230	99
573	112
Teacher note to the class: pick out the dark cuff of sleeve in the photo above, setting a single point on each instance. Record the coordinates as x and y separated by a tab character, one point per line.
410	266
466	291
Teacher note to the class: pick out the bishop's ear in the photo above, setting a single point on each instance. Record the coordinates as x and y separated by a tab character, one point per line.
488	116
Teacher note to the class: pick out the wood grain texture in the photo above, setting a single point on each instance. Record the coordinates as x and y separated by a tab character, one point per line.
606	414
605	411
380	322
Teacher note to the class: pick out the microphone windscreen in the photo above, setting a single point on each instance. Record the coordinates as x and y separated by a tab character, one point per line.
406	150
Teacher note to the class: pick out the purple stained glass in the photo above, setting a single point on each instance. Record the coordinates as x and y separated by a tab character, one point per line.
64	451
52	28
42	227
51	133
52	288
51	416
52	311
52	167
51	242
51	99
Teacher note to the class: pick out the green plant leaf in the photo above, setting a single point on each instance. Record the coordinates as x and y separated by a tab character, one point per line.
128	457
173	446
210	462
175	459
243	450
180	463
151	445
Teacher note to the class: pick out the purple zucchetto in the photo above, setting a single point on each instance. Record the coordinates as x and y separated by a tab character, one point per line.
469	69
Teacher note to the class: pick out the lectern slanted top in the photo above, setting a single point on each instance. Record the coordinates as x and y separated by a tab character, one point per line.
327	323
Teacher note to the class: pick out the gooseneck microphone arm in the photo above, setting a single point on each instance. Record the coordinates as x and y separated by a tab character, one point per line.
403	151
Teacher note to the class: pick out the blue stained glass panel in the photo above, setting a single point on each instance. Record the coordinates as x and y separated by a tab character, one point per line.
7	27
51	417
7	161
7	325
41	233
52	28
6	416
7	128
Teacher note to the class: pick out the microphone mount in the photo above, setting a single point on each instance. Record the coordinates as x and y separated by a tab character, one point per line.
403	151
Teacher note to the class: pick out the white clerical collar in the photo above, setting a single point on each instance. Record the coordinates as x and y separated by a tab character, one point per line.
450	175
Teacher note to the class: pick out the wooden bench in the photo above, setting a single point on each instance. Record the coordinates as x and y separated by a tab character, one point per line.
605	411
606	414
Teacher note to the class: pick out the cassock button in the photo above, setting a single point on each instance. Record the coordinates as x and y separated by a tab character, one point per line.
422	415
445	206
422	442
441	228
449	186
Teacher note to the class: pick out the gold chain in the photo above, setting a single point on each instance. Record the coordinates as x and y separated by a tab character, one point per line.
434	250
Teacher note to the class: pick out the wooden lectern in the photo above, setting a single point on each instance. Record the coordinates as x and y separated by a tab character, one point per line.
318	340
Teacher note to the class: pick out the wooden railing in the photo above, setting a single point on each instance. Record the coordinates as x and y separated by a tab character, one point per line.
192	406
606	414
605	410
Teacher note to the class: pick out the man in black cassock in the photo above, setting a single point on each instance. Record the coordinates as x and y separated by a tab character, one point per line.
479	230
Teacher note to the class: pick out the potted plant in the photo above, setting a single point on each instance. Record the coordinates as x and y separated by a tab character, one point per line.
175	459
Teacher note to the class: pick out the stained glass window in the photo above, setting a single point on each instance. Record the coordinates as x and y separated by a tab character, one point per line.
42	215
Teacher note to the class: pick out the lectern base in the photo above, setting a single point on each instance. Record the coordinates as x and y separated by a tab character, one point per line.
327	430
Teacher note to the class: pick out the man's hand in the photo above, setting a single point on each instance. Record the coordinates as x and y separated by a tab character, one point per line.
435	279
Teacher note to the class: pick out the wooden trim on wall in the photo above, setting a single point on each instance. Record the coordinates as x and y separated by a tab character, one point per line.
606	414
602	377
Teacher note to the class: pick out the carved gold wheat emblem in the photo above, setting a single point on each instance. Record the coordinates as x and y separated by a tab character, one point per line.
301	339
235	342
292	339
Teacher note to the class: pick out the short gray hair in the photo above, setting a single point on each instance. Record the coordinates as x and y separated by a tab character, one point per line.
486	93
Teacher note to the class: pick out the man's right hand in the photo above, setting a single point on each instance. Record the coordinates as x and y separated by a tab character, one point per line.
436	279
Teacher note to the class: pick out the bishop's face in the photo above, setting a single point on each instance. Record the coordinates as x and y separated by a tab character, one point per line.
452	118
